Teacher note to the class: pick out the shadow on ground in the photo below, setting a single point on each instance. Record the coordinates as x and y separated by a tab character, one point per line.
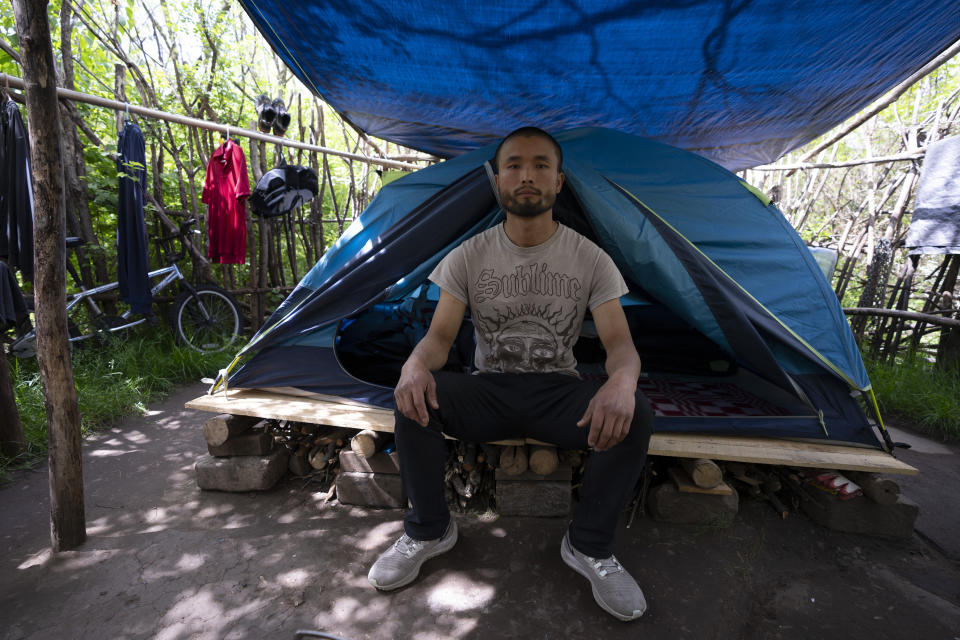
166	560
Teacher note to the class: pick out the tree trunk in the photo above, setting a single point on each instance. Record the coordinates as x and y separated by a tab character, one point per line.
948	349
74	166
67	520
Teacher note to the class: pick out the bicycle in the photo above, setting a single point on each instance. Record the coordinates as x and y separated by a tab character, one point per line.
204	317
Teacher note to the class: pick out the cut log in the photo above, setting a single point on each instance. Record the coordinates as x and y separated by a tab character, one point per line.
218	429
491	454
251	443
513	460
468	456
298	464
368	442
879	489
543	460
685	484
571	457
320	456
704	473
325	435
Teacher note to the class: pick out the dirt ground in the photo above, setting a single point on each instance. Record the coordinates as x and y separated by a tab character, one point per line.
166	560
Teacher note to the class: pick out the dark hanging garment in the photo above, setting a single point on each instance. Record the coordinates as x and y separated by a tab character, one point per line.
132	262
16	192
13	308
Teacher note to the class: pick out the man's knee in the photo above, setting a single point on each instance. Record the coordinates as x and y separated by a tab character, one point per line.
642	425
404	426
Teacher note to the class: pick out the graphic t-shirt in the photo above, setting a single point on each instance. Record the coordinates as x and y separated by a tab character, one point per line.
528	303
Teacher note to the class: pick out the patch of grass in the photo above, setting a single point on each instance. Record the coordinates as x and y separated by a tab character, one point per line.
114	379
912	389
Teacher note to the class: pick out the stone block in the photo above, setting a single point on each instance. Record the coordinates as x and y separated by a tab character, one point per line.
861	515
370	489
377	463
253	443
667	503
529	494
241	473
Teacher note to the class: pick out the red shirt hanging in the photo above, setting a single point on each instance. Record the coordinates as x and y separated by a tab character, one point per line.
225	191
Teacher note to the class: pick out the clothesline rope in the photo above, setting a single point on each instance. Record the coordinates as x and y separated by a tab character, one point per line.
76	96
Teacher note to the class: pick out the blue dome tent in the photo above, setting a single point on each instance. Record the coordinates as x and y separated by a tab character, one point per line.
724	293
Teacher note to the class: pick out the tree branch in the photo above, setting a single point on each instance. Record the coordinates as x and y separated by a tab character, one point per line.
900	157
879	105
897	313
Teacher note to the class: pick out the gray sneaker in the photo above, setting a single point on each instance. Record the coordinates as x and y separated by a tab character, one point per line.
614	589
400	565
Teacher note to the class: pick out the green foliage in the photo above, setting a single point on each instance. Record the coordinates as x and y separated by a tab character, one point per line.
113	380
913	390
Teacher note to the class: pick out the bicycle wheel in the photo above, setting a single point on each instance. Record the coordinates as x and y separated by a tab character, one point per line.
208	321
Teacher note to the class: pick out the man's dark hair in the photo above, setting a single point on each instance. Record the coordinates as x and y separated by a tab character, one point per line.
528	132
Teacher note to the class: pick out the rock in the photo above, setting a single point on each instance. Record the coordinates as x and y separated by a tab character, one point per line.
668	504
377	463
370	489
861	515
241	473
529	494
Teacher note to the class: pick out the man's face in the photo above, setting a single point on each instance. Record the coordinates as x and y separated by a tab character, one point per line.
529	177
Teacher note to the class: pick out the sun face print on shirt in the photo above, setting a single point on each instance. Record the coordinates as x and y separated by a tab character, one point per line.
526	338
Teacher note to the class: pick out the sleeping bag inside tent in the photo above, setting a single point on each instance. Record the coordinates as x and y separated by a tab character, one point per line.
738	330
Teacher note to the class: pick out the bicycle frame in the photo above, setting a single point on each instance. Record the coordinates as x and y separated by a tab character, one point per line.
25	346
169	275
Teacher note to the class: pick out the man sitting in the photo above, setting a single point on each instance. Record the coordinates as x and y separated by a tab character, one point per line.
528	283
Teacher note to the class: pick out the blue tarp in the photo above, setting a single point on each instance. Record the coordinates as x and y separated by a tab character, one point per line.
740	82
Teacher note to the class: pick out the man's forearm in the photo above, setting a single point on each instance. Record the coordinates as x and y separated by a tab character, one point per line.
430	353
623	365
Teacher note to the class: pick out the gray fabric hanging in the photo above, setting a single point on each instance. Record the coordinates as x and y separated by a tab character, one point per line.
935	225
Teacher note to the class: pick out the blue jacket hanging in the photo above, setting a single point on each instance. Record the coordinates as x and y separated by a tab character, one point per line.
132	262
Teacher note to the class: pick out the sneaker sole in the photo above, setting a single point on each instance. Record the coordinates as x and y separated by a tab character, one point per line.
439	550
567	554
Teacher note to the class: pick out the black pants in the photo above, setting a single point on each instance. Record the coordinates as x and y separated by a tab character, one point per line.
500	406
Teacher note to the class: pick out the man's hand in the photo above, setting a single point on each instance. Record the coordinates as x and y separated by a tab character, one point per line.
416	387
610	413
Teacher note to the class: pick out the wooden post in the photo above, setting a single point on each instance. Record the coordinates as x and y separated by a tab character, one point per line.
67	520
12	441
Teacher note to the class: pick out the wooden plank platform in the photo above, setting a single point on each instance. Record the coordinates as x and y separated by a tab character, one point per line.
330	411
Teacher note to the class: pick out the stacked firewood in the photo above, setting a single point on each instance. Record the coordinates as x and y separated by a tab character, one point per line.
314	449
471	469
469	475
